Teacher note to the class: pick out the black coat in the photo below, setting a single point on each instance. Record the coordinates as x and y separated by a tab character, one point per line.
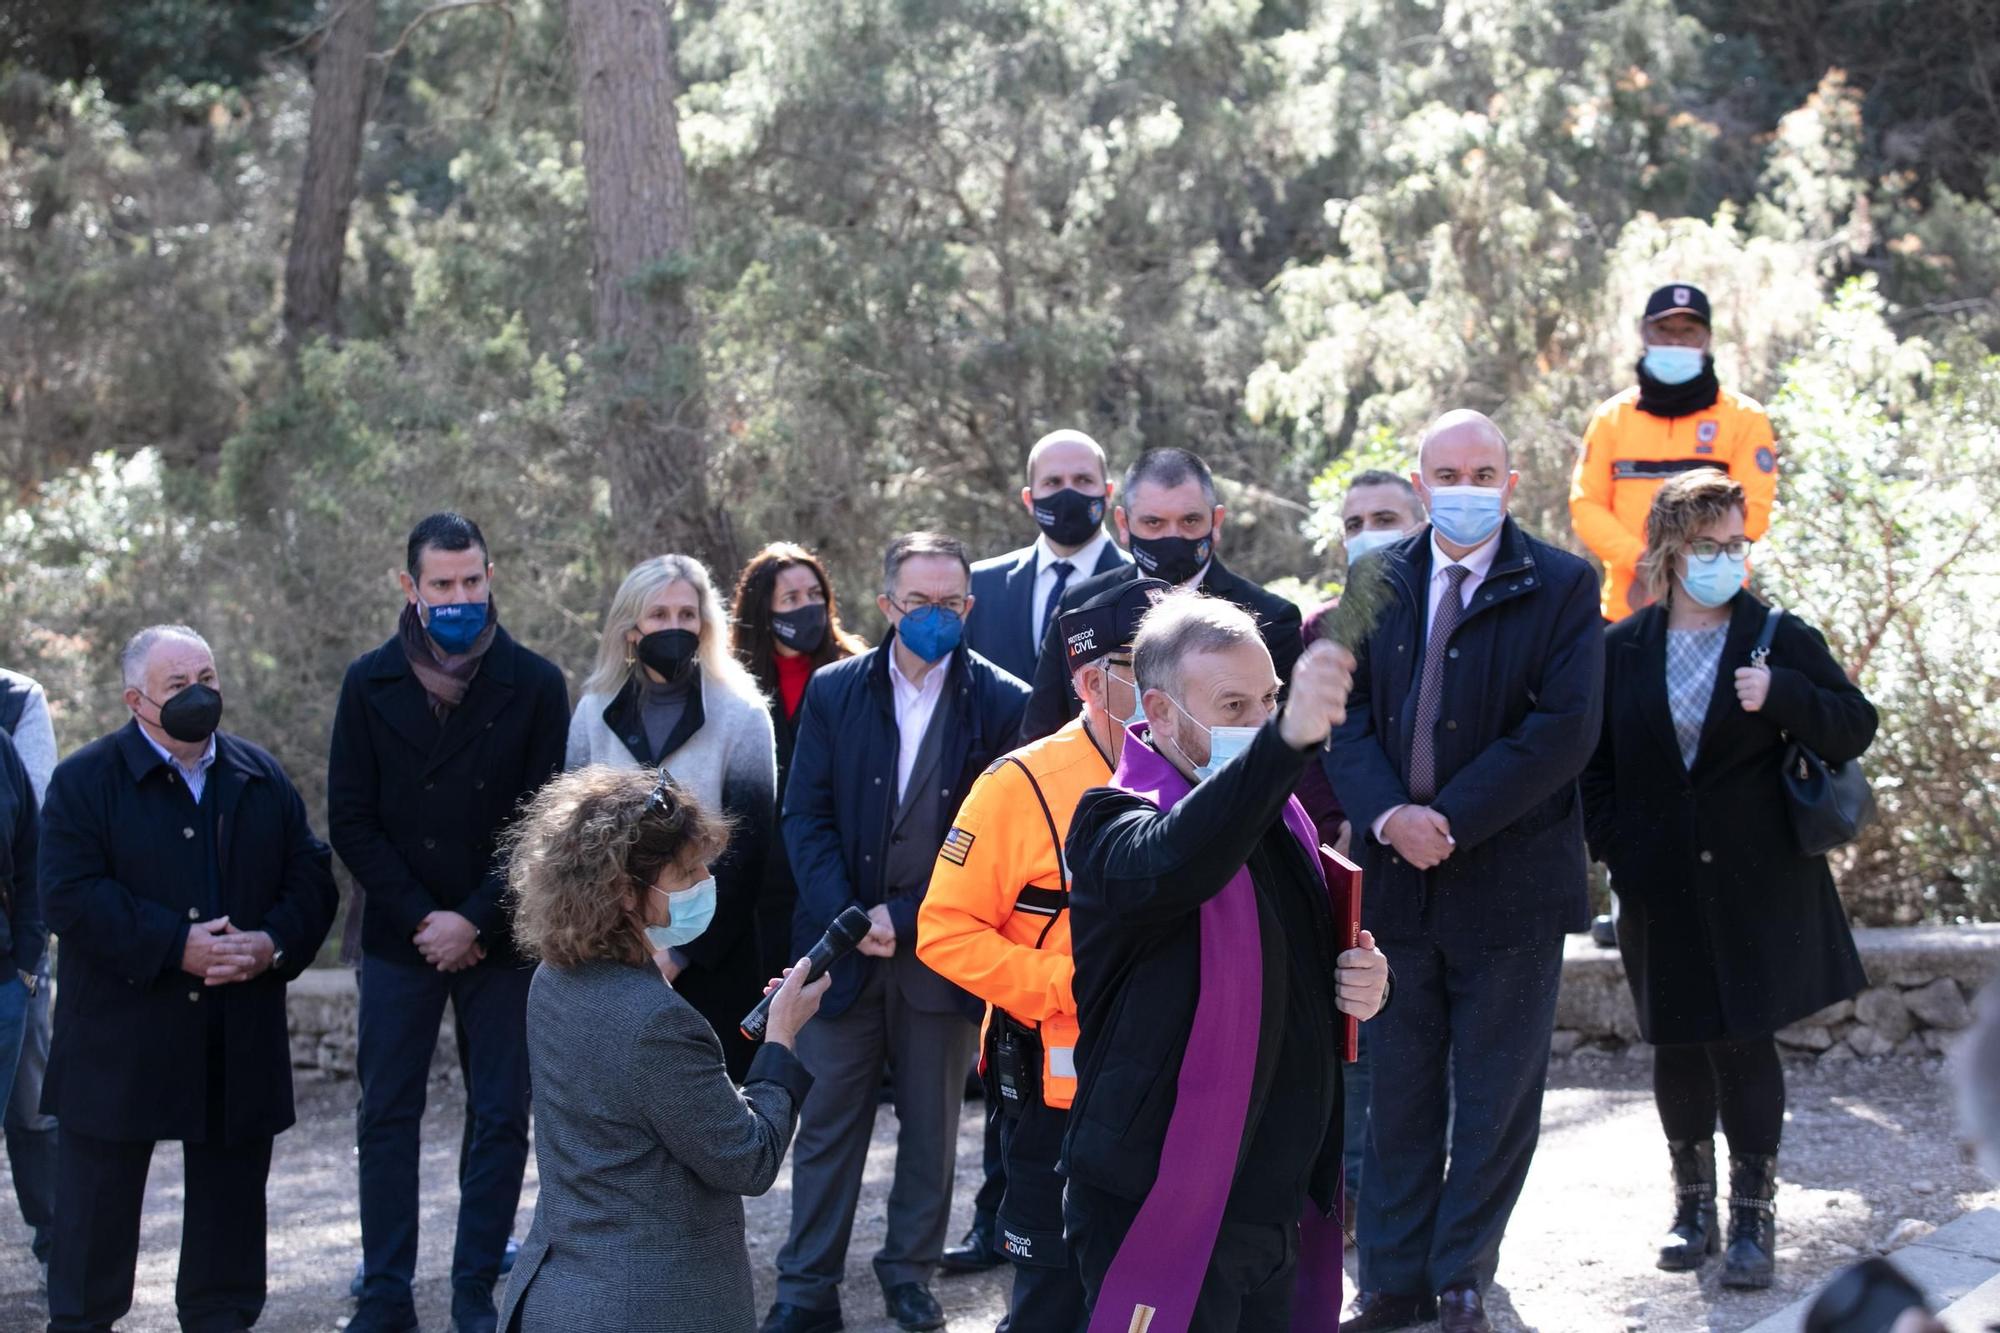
841	787
415	808
1054	701
1727	930
778	898
122	877
24	935
1522	703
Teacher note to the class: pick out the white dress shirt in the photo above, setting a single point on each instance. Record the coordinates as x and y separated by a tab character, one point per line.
1083	562
1478	563
915	704
196	777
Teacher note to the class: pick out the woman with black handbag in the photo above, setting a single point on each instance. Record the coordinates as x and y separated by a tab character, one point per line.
1729	929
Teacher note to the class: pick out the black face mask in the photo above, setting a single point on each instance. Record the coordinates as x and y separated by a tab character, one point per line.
192	715
1174	560
670	652
1070	518
802	629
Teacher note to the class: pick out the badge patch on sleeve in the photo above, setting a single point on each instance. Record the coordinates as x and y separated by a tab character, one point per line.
1766	460
957	846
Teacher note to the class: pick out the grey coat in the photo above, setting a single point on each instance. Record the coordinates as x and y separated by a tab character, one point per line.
645	1150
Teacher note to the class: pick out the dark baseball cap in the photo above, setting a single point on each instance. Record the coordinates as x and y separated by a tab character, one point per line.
1108	622
1677	298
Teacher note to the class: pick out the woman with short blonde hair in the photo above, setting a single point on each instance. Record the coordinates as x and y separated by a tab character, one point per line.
667	693
643	1144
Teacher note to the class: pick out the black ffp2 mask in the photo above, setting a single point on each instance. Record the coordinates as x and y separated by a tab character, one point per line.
1070	518
670	652
1173	560
192	715
801	629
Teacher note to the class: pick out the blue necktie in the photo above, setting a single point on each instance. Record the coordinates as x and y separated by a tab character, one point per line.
1063	569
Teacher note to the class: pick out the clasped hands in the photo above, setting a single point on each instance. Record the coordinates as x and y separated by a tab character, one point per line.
220	954
448	941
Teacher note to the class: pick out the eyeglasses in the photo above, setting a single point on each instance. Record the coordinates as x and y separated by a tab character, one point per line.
1706	551
658	800
916	602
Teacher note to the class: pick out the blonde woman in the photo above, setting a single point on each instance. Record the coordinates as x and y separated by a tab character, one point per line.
666	693
1728	930
643	1144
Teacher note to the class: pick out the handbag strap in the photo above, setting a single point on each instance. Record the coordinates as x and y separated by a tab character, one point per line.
1762	652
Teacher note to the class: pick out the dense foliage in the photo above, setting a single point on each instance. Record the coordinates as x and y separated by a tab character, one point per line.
1282	233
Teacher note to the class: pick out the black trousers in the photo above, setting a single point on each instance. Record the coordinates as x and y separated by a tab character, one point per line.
1048	1293
1742	1081
1252	1272
221	1282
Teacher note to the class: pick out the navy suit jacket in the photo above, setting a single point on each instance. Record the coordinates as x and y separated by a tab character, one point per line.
840	795
1523	701
1002	626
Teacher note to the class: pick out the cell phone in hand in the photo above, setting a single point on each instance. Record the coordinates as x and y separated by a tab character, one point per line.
1868	1297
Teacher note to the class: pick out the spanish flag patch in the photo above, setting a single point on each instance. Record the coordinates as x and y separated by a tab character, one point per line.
957	846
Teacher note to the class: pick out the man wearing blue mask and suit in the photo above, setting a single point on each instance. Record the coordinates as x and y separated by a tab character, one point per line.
888	744
1475	706
1069	495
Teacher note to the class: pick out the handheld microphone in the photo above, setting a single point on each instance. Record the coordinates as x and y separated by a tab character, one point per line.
848	929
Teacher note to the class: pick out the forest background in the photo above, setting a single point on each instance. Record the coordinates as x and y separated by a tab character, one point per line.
277	277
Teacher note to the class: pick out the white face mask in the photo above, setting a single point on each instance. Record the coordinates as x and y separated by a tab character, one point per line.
1224	743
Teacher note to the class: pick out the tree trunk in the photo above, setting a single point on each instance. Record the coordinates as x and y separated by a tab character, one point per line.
642	235
326	189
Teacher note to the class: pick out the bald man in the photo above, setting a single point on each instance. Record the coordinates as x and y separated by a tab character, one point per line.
1475	706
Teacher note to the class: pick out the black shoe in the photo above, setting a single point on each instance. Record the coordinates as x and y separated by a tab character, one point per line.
1604	930
785	1318
1462	1310
1753	1221
381	1318
472	1309
1381	1311
1694	1233
913	1307
979	1251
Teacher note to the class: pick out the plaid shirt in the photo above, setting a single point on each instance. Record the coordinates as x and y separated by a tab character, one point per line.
1692	659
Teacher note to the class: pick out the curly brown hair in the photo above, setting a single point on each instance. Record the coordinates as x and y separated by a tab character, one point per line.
1682	507
585	845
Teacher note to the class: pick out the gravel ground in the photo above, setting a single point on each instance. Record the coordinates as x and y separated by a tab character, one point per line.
1867	1146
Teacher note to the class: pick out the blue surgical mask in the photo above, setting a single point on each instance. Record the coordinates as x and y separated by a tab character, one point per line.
1224	744
930	631
691	910
1714	582
1467	515
1362	543
1674	365
456	626
1138	714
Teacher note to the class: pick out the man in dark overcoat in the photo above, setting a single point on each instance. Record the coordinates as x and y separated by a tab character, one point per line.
187	886
1476	704
440	735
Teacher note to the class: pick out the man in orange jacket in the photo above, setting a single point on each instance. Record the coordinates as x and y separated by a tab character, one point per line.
1677	419
996	921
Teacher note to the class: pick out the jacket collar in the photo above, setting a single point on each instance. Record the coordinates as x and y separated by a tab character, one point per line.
1512	574
498	664
1648	646
141	759
622	716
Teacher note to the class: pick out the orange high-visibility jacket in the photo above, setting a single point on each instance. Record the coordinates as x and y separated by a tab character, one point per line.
1628	453
995	919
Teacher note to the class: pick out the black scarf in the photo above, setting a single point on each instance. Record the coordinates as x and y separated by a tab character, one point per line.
1679	400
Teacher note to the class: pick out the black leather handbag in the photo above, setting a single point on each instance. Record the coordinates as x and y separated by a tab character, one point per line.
1829	802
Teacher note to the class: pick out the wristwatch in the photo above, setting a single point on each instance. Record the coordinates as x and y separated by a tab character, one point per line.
277	957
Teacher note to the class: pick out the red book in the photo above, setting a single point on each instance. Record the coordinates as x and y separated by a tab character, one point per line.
1343	885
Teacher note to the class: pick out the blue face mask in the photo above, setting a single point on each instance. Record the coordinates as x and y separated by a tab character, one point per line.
691	910
1674	365
456	626
930	631
1467	515
1224	744
1138	713
1363	543
1714	582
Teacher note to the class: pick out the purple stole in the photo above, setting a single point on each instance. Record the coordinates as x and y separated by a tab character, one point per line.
1156	1276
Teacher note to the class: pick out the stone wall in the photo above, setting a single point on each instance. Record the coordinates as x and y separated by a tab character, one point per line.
1922	981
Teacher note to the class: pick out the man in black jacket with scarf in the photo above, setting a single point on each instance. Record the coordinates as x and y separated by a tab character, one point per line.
440	735
1203	1167
187	886
1476	704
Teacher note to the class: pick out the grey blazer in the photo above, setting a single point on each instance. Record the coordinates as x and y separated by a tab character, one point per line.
645	1151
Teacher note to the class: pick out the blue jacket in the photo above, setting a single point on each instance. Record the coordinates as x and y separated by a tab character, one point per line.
24	936
1002	626
124	872
1523	700
840	793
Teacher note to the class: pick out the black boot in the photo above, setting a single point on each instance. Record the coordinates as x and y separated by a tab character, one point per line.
1753	1221
1694	1234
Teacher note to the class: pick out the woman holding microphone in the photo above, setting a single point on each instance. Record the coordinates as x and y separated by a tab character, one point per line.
644	1147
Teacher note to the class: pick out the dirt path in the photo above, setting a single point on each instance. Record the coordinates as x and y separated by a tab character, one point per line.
1867	1145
